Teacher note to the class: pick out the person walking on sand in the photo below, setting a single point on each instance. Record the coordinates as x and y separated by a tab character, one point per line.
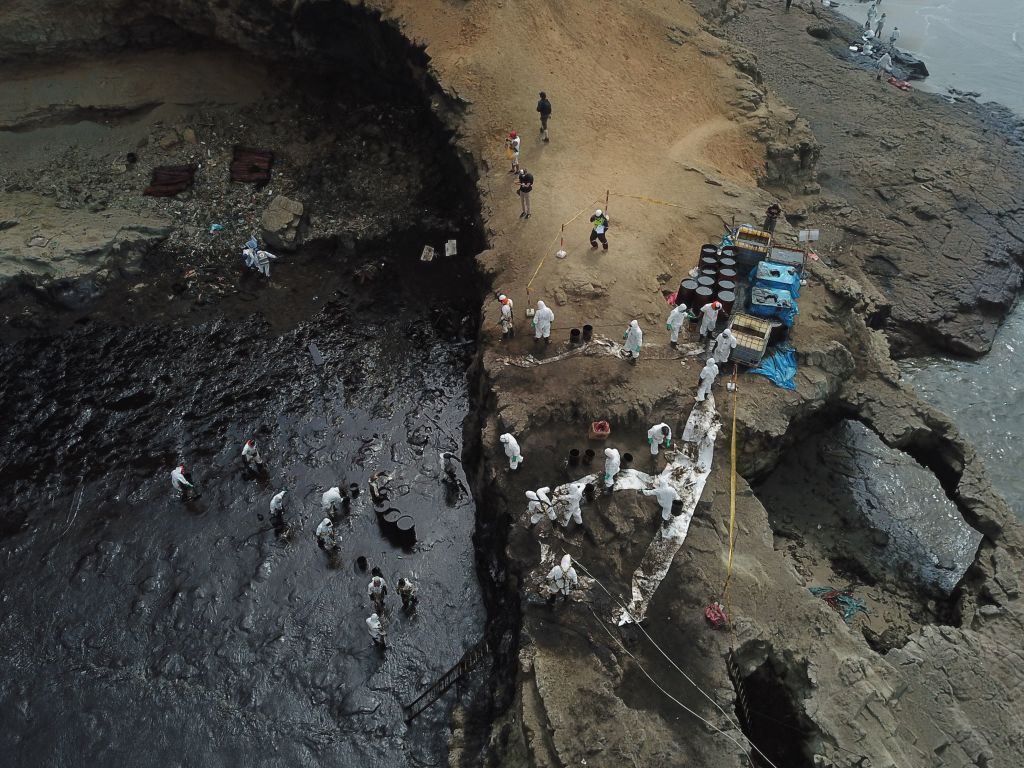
675	321
872	12
542	320
182	483
788	3
894	36
525	188
507	321
544	108
512	143
633	340
878	27
771	217
884	65
600	224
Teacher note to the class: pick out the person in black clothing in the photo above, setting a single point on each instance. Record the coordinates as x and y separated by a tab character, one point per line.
771	216
544	107
525	188
600	224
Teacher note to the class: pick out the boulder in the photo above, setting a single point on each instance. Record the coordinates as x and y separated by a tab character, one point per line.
284	224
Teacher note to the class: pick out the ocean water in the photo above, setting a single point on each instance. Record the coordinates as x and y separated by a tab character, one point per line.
970	45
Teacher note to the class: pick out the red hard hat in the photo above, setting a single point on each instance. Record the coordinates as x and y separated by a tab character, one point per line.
512	134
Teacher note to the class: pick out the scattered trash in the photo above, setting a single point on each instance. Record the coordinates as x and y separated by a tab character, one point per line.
840	601
216	228
716	616
560	254
428	253
450	249
600	430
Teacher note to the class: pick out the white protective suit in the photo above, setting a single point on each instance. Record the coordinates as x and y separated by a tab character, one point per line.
331	500
675	321
612	461
257	259
656	435
407	591
325	534
634	339
540	505
178	480
665	494
376	629
277	503
562	578
376	590
542	320
708	374
251	454
572	497
515	457
507	323
710	318
725	343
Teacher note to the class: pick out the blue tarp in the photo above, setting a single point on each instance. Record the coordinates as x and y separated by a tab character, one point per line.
780	368
768	274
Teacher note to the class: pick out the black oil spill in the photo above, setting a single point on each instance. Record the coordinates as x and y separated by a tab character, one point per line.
141	630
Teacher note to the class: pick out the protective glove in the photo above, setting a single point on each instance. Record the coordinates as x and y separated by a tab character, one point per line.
650	441
668	442
625	334
533	323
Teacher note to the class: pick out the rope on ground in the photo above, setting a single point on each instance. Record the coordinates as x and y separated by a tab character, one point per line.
654	682
732	514
558	237
636	622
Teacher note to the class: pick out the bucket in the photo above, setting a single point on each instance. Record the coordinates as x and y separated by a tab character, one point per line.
600	430
709	272
389	517
728	299
709	249
405	531
705	281
589	492
725	285
627	460
727	274
686	291
702	296
726	263
361	563
353	489
574	336
677	507
588	457
708	262
574	457
588	332
728	252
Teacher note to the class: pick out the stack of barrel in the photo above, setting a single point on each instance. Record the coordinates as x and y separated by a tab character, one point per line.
716	279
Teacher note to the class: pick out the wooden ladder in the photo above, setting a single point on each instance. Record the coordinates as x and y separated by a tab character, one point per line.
469	659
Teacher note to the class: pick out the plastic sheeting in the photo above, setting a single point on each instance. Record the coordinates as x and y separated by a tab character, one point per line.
771	275
780	368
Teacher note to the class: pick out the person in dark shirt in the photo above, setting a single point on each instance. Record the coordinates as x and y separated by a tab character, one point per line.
525	188
771	216
544	108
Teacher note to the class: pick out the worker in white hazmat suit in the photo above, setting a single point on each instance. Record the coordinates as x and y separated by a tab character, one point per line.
256	258
562	579
708	374
377	590
376	630
251	456
507	320
709	318
515	456
572	497
181	483
540	505
408	592
658	435
326	538
542	320
665	494
675	321
612	462
725	343
634	339
331	502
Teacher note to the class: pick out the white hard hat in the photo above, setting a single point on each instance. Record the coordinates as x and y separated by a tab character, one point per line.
598	212
532	496
566	563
